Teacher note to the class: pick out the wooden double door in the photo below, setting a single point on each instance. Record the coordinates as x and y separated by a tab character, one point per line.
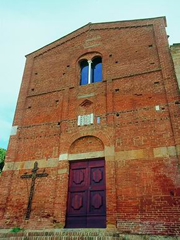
87	195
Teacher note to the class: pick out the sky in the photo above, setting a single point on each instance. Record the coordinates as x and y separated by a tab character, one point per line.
27	25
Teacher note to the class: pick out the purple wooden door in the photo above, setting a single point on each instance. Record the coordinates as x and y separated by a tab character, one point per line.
87	195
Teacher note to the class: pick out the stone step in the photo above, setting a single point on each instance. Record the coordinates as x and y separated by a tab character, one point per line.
65	234
77	234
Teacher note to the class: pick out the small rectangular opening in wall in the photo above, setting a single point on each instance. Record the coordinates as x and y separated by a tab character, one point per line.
138	94
98	120
156	82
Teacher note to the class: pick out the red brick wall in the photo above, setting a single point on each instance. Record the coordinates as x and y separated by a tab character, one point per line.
140	144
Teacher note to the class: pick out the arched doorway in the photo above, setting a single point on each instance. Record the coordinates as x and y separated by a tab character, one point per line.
86	206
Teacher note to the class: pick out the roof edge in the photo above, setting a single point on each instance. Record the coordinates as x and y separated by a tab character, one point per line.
143	19
58	39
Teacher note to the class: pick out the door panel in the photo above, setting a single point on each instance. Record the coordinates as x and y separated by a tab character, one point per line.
78	177
97	176
86	195
97	202
77	203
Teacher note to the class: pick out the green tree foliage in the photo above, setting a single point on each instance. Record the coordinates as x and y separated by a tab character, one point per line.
2	158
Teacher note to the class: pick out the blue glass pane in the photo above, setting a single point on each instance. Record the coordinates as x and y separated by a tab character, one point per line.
97	70
84	73
92	72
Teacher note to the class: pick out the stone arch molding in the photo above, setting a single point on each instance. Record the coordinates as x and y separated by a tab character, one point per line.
87	147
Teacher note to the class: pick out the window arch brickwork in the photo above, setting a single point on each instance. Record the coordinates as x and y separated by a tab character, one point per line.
90	69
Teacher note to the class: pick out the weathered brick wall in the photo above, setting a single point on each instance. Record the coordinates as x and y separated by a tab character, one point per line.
138	134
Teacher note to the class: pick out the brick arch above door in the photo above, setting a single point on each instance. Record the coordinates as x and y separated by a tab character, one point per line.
86	147
86	144
106	139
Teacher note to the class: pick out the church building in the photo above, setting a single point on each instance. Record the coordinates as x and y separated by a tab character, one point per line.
95	141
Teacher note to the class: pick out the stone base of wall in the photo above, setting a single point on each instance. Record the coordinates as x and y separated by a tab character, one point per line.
77	234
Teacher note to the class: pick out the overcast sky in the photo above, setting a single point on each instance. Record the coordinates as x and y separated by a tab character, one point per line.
26	25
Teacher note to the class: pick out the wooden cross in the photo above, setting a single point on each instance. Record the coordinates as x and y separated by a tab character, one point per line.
34	175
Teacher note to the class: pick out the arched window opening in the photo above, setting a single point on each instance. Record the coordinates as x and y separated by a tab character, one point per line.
91	71
84	72
97	70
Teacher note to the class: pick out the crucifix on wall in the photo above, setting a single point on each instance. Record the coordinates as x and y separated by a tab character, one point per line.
33	175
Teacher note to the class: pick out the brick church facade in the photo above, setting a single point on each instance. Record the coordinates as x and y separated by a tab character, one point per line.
96	130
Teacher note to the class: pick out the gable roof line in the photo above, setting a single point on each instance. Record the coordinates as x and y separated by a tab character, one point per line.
132	20
144	19
58	39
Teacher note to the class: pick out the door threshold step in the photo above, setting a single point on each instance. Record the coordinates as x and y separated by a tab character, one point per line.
64	234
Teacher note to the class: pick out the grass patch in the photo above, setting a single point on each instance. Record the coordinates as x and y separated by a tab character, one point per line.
16	230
